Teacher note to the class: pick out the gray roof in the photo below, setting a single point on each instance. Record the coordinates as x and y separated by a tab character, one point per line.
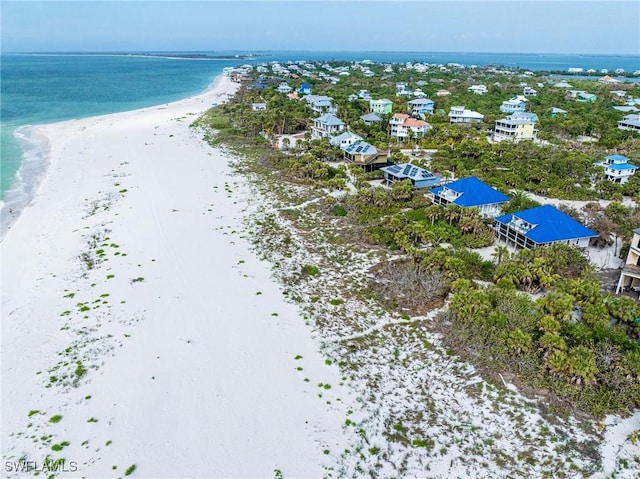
370	117
330	119
421	101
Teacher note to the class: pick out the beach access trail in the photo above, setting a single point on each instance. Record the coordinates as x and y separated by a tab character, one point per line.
134	309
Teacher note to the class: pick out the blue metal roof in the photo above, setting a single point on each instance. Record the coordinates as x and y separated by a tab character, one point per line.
617	158
548	225
473	192
622	166
330	119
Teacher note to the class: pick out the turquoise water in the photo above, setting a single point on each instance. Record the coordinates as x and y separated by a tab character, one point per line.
38	89
43	88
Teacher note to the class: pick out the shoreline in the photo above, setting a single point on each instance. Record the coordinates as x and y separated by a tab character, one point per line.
138	326
36	150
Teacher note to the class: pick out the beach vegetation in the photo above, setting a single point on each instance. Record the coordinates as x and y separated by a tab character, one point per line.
92	419
55	419
130	470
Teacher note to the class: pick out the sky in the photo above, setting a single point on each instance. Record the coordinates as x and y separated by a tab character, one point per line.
501	26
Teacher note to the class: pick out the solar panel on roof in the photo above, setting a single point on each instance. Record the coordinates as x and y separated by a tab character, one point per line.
406	170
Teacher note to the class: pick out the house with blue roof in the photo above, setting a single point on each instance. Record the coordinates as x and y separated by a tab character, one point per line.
419	177
617	168
541	226
305	89
470	193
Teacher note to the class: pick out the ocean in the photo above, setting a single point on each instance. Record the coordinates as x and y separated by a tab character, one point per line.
44	88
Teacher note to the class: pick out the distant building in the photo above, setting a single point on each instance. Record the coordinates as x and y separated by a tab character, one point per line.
258	106
327	125
459	114
617	168
320	103
419	177
542	226
528	91
557	112
370	118
630	275
421	106
305	89
630	122
478	89
382	106
517	103
470	193
284	88
443	93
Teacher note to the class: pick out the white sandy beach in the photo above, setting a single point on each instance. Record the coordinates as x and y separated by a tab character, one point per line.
190	351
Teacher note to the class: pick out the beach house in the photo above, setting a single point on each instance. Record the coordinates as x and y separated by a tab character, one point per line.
326	125
345	139
320	103
543	225
443	93
469	193
584	97
630	275
478	89
617	168
305	89
258	106
528	91
381	107
284	87
517	103
365	155
421	107
419	177
630	122
459	114
555	112
516	127
403	126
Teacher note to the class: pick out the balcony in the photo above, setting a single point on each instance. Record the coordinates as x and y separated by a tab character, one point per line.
631	270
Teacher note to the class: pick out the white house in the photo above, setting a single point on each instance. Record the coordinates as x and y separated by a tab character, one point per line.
403	127
459	114
284	88
617	168
517	103
327	125
528	91
320	103
630	122
345	139
258	106
478	89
